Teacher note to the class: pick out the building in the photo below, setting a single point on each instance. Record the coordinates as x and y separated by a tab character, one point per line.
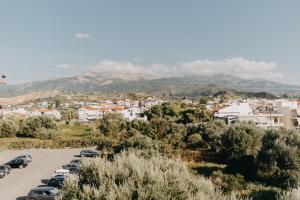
243	112
133	113
55	114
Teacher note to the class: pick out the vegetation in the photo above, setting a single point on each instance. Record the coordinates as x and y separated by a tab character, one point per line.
239	159
279	158
8	128
135	175
42	127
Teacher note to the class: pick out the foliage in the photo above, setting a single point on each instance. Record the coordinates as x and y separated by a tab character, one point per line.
239	141
194	140
69	114
279	158
8	128
112	125
195	115
35	126
228	182
138	176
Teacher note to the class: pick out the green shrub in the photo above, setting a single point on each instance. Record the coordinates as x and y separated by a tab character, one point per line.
194	140
135	176
279	158
35	126
8	128
228	182
240	140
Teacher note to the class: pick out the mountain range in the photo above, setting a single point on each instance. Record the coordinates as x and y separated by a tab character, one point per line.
108	82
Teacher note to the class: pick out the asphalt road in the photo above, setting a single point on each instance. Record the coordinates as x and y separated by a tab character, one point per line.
19	182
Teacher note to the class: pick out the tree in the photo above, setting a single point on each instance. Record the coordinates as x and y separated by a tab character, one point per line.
211	133
240	146
113	125
194	140
69	114
241	140
279	158
195	115
8	128
32	126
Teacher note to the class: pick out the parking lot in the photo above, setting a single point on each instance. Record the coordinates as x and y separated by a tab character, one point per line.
19	182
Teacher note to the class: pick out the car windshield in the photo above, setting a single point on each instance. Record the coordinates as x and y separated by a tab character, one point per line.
56	181
2	167
54	191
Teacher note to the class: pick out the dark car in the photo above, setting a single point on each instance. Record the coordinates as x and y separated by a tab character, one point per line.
56	182
71	165
25	156
5	168
43	193
18	163
89	153
75	161
73	169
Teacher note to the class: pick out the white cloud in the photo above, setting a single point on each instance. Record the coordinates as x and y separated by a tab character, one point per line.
64	66
82	35
119	67
239	67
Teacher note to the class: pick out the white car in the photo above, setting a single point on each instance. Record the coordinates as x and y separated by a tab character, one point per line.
61	172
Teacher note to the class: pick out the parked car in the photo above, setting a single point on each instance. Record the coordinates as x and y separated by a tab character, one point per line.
71	165
5	168
18	163
75	161
61	172
2	173
43	193
89	153
25	156
57	182
73	169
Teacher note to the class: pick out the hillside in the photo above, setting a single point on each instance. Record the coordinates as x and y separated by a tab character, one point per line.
187	86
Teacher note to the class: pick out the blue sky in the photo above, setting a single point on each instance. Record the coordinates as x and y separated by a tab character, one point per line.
253	39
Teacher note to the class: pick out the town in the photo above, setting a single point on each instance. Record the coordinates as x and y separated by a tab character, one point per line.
275	113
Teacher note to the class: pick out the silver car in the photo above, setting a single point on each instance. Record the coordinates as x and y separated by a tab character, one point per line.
43	193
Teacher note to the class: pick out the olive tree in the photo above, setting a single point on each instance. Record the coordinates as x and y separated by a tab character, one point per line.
37	125
279	158
8	128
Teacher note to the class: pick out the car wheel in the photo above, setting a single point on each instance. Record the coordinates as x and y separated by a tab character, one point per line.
21	166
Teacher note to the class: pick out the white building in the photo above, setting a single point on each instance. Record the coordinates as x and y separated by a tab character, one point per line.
243	112
133	113
50	113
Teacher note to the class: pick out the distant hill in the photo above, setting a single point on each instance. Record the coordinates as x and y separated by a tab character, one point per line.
126	82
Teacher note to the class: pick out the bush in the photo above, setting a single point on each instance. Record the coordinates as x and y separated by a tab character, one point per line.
228	182
239	141
134	176
139	142
113	125
8	128
195	140
279	158
34	127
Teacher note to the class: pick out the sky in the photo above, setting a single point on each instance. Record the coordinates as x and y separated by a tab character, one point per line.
58	38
